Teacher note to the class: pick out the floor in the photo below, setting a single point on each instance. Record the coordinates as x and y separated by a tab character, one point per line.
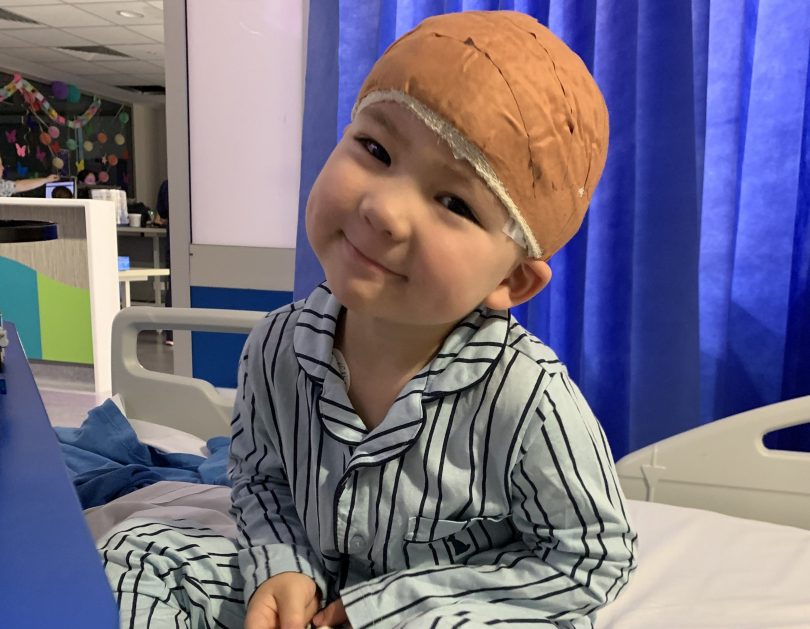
67	391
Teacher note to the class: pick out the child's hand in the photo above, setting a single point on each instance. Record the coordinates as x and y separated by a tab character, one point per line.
285	601
333	615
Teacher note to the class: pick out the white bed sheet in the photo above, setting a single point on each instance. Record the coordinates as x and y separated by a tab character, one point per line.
697	569
700	569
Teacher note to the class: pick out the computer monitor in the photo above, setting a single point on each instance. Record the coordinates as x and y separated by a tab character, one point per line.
62	189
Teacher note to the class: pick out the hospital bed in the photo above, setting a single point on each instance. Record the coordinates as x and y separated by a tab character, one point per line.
723	522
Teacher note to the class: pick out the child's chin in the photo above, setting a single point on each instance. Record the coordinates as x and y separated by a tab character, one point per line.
358	296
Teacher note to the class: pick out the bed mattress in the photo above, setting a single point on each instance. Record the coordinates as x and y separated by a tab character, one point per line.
697	569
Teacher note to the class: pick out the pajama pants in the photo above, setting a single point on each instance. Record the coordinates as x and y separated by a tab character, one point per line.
178	574
173	573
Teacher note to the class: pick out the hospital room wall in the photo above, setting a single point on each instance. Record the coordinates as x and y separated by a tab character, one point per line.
233	116
148	150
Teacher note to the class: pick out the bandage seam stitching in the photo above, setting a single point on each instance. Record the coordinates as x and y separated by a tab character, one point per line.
532	165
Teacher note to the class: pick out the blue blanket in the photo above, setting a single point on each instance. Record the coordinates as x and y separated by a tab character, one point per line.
106	460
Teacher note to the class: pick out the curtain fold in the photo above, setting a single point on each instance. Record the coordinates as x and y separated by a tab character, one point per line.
685	297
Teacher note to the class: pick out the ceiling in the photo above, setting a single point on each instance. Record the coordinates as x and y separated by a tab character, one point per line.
112	49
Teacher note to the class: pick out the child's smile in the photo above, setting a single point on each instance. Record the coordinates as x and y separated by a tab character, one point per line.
404	231
353	252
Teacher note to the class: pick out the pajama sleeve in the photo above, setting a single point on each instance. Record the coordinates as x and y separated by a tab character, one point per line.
271	536
573	549
7	187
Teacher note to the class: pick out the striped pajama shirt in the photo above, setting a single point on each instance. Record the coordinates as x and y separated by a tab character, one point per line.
487	495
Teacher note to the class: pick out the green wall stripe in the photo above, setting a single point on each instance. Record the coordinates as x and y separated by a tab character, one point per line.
66	326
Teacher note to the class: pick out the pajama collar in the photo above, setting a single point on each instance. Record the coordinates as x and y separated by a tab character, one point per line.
466	357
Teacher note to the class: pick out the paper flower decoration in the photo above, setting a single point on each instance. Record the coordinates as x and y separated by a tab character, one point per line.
101	137
71	144
119	139
103	177
31	100
44	138
112	160
74	95
57	163
88	145
55	146
123	117
53	132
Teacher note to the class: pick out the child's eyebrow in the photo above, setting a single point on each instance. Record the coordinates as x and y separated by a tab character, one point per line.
381	119
458	170
454	169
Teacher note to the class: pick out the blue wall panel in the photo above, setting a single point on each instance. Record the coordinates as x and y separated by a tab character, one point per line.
215	356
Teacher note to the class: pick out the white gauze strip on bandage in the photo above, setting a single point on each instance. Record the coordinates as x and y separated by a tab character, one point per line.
513	230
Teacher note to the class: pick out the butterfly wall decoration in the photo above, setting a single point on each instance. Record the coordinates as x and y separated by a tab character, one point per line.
11	136
21	150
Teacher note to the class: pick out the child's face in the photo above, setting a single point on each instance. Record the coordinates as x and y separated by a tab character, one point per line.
404	231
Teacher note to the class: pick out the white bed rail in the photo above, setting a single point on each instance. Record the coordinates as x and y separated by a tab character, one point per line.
181	402
724	466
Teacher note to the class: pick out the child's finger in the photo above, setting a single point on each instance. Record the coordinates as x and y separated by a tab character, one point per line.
333	615
295	611
261	617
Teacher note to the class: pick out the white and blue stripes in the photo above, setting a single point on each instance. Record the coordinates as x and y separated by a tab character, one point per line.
488	492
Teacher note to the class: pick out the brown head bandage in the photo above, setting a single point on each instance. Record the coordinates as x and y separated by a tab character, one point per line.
515	102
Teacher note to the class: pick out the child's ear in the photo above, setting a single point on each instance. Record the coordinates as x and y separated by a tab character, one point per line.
527	279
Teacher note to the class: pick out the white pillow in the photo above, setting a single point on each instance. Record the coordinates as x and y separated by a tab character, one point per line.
168	439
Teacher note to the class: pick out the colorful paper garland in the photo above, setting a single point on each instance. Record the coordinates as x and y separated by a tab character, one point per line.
33	95
36	101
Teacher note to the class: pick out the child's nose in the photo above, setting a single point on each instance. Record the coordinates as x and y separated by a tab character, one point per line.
390	210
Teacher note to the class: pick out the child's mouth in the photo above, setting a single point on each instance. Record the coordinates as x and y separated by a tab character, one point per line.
358	255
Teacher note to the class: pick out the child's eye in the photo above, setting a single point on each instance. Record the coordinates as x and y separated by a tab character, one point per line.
376	150
458	206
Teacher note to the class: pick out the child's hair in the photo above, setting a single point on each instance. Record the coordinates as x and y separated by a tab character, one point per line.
515	102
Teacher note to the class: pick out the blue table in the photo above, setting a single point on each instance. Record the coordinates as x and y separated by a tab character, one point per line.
50	572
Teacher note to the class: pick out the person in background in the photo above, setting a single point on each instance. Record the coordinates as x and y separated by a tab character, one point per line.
87	177
162	205
8	187
61	192
162	220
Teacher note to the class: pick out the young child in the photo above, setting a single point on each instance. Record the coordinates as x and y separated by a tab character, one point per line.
404	453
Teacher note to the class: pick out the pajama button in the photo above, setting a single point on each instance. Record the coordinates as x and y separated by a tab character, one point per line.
357	543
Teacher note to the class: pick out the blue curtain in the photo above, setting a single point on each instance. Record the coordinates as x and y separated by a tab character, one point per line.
686	295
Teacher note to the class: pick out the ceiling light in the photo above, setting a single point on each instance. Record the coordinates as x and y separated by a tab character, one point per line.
132	14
